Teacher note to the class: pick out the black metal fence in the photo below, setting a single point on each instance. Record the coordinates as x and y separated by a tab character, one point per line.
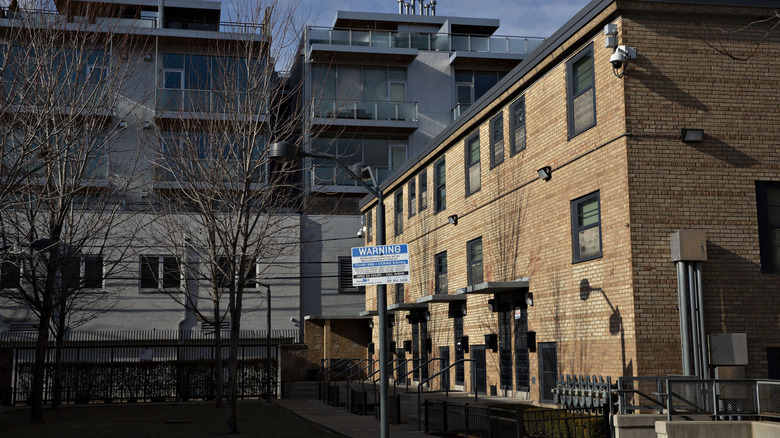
143	365
486	422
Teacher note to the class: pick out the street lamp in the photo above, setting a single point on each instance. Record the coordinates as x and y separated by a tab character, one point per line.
287	152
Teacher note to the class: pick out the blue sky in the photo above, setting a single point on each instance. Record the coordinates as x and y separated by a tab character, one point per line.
518	17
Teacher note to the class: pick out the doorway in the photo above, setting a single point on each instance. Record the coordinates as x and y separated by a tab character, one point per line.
548	370
480	368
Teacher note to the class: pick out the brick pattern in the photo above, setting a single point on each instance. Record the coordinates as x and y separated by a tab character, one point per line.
617	315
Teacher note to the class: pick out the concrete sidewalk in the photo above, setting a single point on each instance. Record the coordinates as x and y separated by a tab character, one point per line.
341	421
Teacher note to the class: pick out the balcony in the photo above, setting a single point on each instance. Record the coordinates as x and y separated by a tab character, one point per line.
206	170
494	44
70	98
206	104
365	110
331	175
459	109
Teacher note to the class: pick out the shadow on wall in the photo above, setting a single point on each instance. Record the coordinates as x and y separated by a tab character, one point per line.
651	77
615	323
724	152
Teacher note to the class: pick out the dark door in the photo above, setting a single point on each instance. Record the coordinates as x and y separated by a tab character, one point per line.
522	360
460	368
444	354
480	368
401	355
773	359
505	341
548	370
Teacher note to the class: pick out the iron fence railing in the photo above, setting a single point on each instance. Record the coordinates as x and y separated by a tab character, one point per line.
488	422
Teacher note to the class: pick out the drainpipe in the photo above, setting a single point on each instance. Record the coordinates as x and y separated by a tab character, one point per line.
682	293
705	363
694	320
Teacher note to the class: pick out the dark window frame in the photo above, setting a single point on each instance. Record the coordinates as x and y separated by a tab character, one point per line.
570	96
514	147
10	272
472	262
475	164
345	276
768	264
497	140
162	263
412	198
398	212
423	190
576	228
439	286
440	187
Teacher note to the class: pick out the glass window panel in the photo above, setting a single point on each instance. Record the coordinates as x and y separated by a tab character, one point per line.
173	60
773	196
474	178
589	242
396	74
397	91
483	81
361	38
589	213
423	190
173	80
380	39
349	150
397	156
473	150
464	76
171	276
583	111
375	151
93	272
465	94
775	236
149	272
582	71
774	215
374	83
349	80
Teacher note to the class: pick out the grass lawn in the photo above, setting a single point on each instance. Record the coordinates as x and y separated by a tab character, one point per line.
255	419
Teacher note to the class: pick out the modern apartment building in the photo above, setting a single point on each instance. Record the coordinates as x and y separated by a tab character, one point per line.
609	208
378	88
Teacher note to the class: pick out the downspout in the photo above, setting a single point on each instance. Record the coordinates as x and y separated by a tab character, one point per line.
682	292
694	320
705	363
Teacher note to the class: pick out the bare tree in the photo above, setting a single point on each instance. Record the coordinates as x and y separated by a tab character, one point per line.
64	90
229	213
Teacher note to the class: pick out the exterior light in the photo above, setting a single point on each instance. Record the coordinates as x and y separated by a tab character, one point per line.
492	305
283	152
463	309
371	324
529	299
427	315
453	219
545	173
692	135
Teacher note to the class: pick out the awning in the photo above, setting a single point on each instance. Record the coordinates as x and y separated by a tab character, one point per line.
374	312
495	287
407	306
324	317
441	298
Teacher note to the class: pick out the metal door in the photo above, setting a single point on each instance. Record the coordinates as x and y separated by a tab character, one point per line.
444	354
548	370
480	364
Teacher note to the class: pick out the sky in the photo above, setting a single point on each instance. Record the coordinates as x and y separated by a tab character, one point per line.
540	18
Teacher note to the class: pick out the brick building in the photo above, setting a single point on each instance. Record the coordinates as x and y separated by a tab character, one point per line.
539	222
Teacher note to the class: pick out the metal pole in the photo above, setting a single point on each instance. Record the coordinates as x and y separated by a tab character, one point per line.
381	306
705	362
682	292
694	320
268	351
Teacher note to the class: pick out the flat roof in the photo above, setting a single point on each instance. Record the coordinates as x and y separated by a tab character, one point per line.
381	20
407	306
494	287
441	298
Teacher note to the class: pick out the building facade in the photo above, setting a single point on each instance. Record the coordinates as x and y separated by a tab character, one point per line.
539	222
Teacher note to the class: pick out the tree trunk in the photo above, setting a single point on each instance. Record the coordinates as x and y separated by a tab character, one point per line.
232	390
39	369
218	369
56	395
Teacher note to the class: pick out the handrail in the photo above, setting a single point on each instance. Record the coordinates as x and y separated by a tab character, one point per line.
371	363
395	383
327	369
447	390
336	377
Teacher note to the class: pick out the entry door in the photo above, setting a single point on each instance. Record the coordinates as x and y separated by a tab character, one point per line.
480	364
401	355
548	370
773	359
444	354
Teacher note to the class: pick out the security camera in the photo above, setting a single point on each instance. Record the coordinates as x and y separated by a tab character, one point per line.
617	59
361	232
293	320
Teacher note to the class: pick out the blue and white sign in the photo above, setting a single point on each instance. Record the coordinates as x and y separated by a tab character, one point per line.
386	264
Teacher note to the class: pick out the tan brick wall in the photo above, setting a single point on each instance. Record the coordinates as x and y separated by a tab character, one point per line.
650	183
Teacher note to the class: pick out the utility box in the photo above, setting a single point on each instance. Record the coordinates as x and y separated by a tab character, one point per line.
728	349
689	246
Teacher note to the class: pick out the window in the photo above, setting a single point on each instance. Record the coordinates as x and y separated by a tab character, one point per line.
82	272
345	276
440	180
441	273
160	272
497	140
399	293
399	212
474	251
383	153
423	190
768	204
222	275
473	177
369	225
412	189
586	228
517	116
10	273
581	94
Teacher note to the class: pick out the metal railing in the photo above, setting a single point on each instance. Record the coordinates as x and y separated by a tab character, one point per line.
685	395
365	110
208	102
48	17
447	388
413	371
459	109
329	175
323	374
422	41
488	422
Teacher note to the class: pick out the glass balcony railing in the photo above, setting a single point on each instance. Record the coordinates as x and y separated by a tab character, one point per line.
67	96
48	18
366	110
327	175
459	109
423	41
209	102
170	170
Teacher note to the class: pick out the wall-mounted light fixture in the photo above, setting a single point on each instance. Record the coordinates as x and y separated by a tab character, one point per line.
123	124
545	173
427	315
148	57
463	309
492	305
453	219
692	135
371	325
529	299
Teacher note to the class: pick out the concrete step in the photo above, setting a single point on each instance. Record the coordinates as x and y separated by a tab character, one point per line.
301	390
